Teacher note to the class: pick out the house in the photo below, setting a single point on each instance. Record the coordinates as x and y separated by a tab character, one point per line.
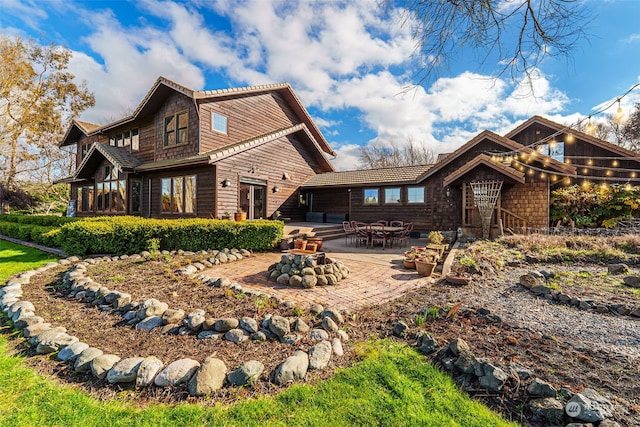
528	162
186	153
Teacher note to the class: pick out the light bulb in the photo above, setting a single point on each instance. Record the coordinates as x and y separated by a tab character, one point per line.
591	128
619	115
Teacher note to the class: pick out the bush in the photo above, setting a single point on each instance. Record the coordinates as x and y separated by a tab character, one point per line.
122	235
47	236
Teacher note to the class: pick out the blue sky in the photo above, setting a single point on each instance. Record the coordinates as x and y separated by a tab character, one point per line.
348	61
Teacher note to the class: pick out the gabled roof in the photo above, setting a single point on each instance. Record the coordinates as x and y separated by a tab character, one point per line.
364	177
76	130
214	156
576	133
500	140
483	159
120	158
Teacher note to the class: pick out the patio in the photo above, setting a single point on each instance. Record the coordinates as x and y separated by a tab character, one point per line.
377	276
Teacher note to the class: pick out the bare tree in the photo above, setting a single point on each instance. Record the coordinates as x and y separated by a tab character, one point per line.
377	155
630	133
520	32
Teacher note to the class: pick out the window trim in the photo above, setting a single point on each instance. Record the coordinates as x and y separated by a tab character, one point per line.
213	121
183	192
176	116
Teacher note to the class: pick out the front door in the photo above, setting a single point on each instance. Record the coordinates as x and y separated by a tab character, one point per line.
253	198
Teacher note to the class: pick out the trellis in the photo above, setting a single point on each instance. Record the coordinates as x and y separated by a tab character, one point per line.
485	195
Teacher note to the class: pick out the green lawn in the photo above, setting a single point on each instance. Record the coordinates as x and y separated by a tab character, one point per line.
393	385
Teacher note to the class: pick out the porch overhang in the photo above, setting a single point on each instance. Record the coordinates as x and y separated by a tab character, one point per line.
484	160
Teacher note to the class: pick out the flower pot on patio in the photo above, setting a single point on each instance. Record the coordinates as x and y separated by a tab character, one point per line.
311	247
316	240
240	216
410	264
425	268
300	244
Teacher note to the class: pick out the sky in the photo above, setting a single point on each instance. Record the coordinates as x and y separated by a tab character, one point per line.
352	64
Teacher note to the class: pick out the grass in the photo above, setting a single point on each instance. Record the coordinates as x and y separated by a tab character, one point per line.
392	385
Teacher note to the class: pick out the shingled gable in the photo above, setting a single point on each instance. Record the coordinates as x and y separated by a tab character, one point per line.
502	141
120	158
214	156
483	159
576	133
77	130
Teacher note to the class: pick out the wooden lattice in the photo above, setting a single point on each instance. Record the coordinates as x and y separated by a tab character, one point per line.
485	195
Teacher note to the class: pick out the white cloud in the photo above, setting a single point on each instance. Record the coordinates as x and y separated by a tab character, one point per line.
347	156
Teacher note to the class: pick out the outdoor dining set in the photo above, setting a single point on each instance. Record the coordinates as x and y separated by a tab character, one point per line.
382	232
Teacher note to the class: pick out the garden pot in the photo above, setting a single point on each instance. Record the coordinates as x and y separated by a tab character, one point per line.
316	240
300	244
425	268
409	264
240	216
311	246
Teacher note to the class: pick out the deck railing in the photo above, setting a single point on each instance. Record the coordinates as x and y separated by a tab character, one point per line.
513	223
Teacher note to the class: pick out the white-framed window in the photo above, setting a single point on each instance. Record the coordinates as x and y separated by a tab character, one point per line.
415	194
371	196
392	195
219	122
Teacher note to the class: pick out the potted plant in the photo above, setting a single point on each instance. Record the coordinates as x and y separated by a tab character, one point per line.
315	240
227	215
435	242
426	262
300	242
240	215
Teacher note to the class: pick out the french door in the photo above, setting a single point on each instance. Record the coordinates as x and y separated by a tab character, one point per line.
253	197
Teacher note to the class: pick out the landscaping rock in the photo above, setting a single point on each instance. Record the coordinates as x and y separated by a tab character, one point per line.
336	347
316	308
632	281
194	320
320	354
100	365
125	371
318	334
249	324
171	316
329	325
290	339
548	410
149	323
71	352
458	345
227	324
594	407
493	378
542	388
246	374
208	378
300	326
520	371
635	312
618	269
152	307
309	281
528	281
466	362
540	290
50	343
236	335
177	372
212	335
279	325
427	344
259	336
147	371
334	314
293	368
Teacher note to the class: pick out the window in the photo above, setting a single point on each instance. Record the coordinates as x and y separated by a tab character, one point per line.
135	140
136	196
371	196
85	198
415	194
392	195
219	123
85	149
175	129
555	150
112	192
179	194
128	138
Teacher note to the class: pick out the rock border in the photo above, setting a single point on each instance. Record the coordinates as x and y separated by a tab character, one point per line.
201	377
535	282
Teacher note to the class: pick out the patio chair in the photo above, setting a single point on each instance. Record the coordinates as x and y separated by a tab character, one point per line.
402	237
361	234
379	235
383	222
349	231
396	224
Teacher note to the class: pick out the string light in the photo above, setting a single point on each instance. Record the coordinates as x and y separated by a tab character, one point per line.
619	115
591	128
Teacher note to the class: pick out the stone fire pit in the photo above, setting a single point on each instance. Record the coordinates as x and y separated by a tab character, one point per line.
304	271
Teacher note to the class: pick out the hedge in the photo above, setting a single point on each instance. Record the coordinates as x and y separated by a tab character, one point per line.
126	235
43	220
47	236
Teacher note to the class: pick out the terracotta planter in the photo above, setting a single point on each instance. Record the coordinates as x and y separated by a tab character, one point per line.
300	244
311	246
409	264
316	240
425	268
240	216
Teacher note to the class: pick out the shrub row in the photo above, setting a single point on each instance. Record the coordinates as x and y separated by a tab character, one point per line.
43	220
125	235
43	235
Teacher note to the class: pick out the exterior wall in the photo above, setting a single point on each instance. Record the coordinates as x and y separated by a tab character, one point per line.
268	162
176	103
247	116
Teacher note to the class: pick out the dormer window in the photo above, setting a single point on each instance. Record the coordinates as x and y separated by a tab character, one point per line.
219	123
